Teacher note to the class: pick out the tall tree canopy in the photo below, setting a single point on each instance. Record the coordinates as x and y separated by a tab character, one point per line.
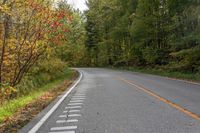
150	33
32	31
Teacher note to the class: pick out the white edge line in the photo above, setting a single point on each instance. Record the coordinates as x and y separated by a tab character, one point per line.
182	80
169	78
48	114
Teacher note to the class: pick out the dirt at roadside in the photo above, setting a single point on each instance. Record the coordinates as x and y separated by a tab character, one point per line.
28	112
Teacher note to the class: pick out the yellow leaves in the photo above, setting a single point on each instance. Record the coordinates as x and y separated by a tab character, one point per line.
30	32
7	92
1	42
5	9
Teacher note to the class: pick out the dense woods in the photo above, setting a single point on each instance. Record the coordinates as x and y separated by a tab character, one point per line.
40	38
163	34
37	38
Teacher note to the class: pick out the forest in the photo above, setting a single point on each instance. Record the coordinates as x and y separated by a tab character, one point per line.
41	39
163	34
36	38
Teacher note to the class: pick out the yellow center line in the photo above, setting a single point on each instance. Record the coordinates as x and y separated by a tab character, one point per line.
146	90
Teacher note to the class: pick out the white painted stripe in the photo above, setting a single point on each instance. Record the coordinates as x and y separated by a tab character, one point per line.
79	94
63	128
80	98
73	111
74	115
76	101
72	120
48	114
181	80
63	116
67	121
61	121
73	107
73	104
82	91
64	132
65	111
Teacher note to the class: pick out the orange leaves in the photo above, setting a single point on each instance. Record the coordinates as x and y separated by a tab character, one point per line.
61	14
5	9
69	18
55	22
7	92
35	26
59	26
37	6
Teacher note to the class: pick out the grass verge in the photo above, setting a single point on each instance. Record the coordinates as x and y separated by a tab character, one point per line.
172	74
15	113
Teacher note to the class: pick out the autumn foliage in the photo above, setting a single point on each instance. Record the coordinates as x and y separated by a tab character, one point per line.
29	31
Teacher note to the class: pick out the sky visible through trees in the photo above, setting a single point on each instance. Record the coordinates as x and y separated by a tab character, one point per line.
162	34
38	40
78	4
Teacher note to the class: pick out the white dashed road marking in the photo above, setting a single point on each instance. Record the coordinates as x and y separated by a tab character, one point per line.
74	104
83	95
67	121
76	101
65	111
63	128
79	94
64	132
73	111
50	112
63	116
74	115
72	120
78	98
61	121
73	107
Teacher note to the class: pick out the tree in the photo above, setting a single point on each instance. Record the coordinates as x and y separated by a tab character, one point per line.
28	27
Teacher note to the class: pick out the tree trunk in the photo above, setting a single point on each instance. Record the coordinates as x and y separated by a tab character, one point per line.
5	37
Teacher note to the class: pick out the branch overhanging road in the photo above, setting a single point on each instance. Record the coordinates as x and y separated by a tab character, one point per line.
109	101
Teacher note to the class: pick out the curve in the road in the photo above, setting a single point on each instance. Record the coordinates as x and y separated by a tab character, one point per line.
146	90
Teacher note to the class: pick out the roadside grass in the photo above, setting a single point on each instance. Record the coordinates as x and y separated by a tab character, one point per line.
8	108
171	74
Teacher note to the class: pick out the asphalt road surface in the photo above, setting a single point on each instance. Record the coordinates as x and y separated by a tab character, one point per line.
112	101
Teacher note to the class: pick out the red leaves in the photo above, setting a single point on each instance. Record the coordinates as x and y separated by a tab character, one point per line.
55	24
34	5
59	26
66	30
69	18
56	21
61	14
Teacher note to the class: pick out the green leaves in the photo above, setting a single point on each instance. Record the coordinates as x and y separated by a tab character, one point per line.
144	32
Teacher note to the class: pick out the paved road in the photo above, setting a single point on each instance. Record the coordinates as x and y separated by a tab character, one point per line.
108	101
